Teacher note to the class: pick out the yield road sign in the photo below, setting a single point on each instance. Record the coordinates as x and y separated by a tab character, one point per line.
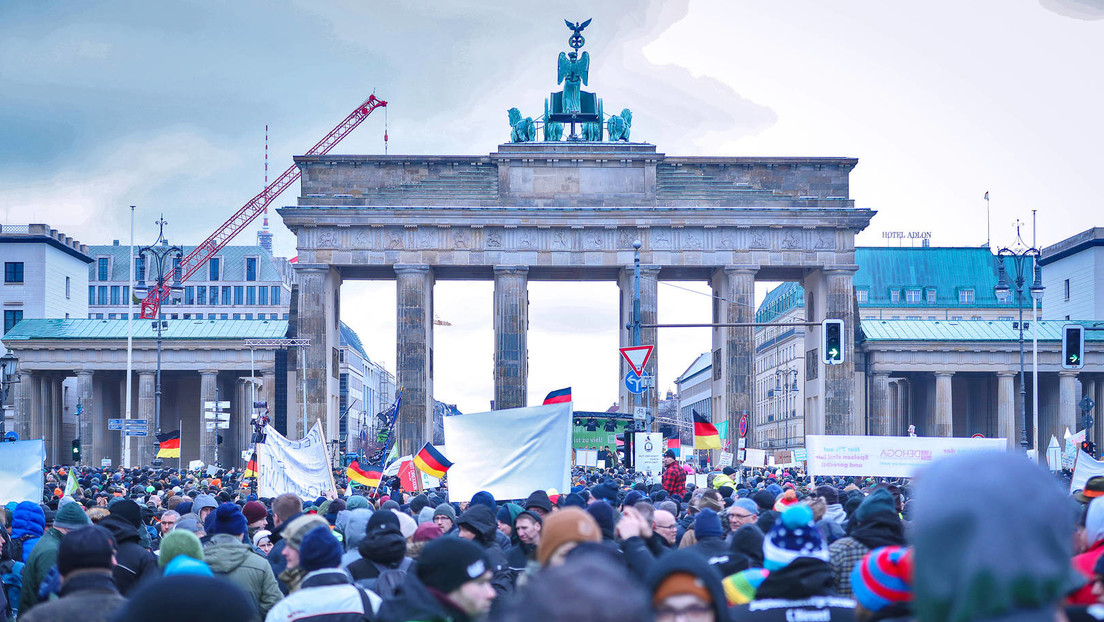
635	383
637	357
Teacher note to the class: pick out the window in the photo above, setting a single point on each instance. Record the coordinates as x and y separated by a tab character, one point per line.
99	316
1067	289
91	295
239	295
222	316
262	295
214	271
975	317
1005	318
126	294
13	271
111	316
187	316
956	317
201	295
11	318
912	317
115	294
276	297
125	316
966	296
237	316
67	284
895	296
862	295
214	295
140	268
189	295
251	295
931	296
101	268
912	296
249	316
103	294
250	268
226	294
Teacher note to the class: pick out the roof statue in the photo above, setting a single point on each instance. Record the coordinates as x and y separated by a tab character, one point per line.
572	105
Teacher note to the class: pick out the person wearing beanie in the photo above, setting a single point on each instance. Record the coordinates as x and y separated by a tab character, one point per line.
256	516
683	586
453	581
182	564
230	556
425	515
562	531
133	562
352	524
262	541
799	585
522	557
179	542
478	524
785	500
383	549
84	560
539	503
325	592
484	498
711	544
573	500
606	517
426	532
419	501
505	519
604	492
445	518
43	556
674	476
293	534
186	598
874	524
882	585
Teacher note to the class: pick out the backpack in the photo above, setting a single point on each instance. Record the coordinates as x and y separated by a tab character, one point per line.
16	545
386	583
11	575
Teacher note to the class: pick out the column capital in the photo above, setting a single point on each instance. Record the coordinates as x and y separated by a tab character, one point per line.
146	372
409	268
1069	373
741	269
503	270
943	374
312	267
208	372
80	372
842	270
881	375
1007	373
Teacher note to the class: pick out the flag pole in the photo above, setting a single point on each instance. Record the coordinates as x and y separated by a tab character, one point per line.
130	343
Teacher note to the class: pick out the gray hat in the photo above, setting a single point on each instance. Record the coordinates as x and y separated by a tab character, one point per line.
204	501
445	510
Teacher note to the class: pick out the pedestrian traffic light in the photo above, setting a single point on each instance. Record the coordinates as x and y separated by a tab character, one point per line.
1073	346
76	450
1089	447
831	344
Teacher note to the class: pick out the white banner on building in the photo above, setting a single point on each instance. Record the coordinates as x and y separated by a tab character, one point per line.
648	452
21	475
509	453
300	467
886	456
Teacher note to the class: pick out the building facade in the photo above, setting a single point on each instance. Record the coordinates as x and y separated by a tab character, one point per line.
1073	274
45	274
239	283
366	388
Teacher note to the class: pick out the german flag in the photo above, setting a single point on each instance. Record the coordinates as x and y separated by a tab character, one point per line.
558	397
368	476
169	444
705	433
431	462
251	466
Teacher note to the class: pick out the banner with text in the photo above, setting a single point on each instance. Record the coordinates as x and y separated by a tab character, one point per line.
21	476
300	467
886	456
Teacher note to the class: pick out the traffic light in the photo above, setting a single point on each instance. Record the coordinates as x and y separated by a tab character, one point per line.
831	342
1089	447
76	450
1073	346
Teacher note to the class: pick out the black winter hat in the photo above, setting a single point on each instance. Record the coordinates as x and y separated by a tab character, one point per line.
764	499
418	502
129	510
607	492
87	547
539	499
670	453
830	494
445	564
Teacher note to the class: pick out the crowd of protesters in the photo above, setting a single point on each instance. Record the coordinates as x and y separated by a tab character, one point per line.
986	536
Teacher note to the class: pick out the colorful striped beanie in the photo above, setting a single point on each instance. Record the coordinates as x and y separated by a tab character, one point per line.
792	536
740	588
883	578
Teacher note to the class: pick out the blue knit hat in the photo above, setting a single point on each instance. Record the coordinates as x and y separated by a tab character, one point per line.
229	519
182	564
319	549
485	498
707	524
883	577
793	535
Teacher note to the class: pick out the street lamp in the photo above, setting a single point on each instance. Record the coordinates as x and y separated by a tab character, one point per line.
8	364
1019	256
158	252
782	384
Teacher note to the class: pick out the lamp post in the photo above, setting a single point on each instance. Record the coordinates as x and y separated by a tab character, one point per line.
8	364
782	384
154	256
1018	256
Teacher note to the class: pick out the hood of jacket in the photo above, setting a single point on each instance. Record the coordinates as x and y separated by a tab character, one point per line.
835	513
121	529
226	553
689	562
28	520
481	520
384	542
883	529
414	601
353	524
800	579
747	542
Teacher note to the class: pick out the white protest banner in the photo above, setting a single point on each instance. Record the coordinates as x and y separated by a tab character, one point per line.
300	467
724	459
648	452
1073	444
1085	468
509	453
21	475
886	456
755	458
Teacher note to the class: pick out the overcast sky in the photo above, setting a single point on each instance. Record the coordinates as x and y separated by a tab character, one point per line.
163	106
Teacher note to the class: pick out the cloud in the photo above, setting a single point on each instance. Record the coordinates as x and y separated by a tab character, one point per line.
1077	9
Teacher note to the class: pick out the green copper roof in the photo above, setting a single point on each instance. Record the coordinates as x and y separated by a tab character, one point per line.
967	330
947	270
143	329
780	300
350	338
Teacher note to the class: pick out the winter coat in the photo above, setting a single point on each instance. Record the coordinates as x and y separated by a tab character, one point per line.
414	601
717	553
802	590
228	556
640	553
88	597
28	525
38	566
689	562
480	519
883	529
352	524
326	595
383	549
276	555
133	563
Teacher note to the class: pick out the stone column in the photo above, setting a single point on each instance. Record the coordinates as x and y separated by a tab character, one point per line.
1006	408
839	380
208	392
903	388
511	326
92	446
319	287
879	421
147	409
46	418
21	422
944	421
414	359
649	304
1068	414
734	348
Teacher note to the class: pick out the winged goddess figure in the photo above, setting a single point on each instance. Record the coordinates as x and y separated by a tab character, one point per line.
574	69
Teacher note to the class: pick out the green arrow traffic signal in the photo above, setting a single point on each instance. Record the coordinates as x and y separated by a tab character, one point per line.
1073	346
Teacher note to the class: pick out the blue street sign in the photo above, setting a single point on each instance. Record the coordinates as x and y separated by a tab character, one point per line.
114	424
636	384
134	432
136	423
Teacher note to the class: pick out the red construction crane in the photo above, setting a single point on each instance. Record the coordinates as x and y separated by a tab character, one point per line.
249	212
